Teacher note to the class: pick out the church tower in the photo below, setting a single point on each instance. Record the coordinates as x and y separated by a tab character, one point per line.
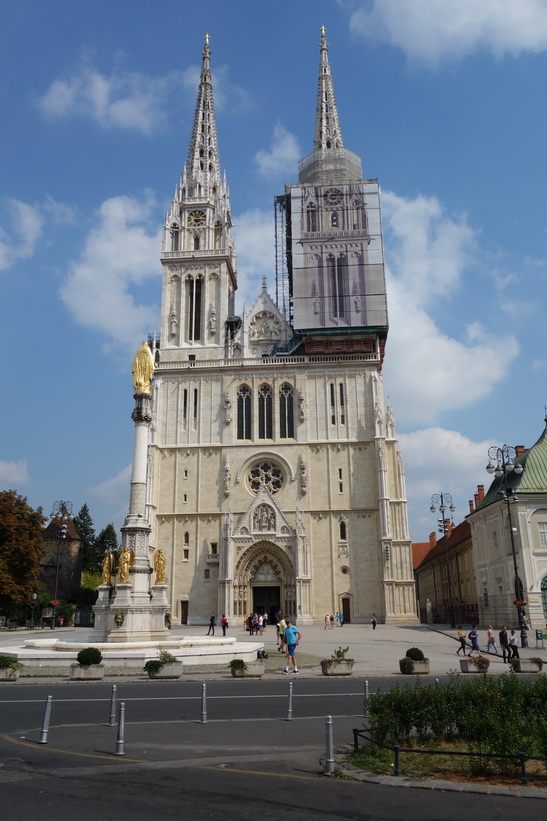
275	480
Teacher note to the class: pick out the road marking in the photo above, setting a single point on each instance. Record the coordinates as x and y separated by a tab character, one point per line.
70	752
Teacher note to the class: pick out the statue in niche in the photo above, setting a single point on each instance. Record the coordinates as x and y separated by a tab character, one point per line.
226	478
303	476
159	567
173	324
212	319
264	519
301	413
107	567
227	408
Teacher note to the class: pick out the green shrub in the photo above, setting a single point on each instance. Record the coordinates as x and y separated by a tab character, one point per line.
237	664
8	661
89	655
415	654
166	658
152	666
406	665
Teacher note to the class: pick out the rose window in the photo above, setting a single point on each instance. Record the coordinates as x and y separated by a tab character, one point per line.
265	473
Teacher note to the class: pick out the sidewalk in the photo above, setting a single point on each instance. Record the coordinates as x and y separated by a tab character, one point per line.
376	652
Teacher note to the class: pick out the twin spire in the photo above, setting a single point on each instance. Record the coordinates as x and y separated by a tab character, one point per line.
327	125
203	159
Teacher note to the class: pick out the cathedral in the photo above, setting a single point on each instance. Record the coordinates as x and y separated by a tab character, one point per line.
274	478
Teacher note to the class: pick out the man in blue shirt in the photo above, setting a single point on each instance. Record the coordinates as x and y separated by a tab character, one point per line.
292	638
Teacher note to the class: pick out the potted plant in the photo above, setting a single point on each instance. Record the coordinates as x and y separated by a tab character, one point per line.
414	662
242	669
531	665
9	668
165	666
474	664
338	664
88	666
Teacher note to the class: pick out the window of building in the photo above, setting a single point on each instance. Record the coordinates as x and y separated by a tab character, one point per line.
542	527
311	214
214	548
286	411
340	482
196	243
332	404
265	473
185	474
485	596
343	531
244	413
207	574
544	596
186	538
334	219
185	406
185	498
265	416
342	405
185	554
193	308
195	406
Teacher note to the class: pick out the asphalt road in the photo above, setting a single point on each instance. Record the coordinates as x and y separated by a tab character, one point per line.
246	761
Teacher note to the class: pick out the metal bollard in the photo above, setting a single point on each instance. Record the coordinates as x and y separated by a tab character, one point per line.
289	707
45	722
120	740
112	718
329	754
436	682
366	699
204	703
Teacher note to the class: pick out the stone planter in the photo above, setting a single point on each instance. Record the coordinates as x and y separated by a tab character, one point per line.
172	670
8	674
86	672
526	666
337	667
419	668
255	669
467	666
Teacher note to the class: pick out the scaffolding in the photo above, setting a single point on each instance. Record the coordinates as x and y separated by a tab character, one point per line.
282	256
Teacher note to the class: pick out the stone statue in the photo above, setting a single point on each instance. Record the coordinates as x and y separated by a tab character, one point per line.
159	567
107	566
173	324
125	561
227	408
143	369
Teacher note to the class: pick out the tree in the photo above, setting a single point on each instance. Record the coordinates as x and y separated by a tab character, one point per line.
106	540
86	529
21	549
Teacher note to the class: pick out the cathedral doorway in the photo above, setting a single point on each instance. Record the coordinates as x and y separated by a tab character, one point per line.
346	610
184	612
266	600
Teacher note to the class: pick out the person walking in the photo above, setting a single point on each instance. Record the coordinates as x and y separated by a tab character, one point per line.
224	625
292	639
265	620
491	640
461	637
514	645
281	635
504	644
211	630
341	619
474	639
327	621
374	621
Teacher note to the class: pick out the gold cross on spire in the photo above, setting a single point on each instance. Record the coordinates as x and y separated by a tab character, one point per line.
207	38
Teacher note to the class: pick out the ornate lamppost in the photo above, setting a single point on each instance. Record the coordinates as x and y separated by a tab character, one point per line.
61	510
442	502
504	457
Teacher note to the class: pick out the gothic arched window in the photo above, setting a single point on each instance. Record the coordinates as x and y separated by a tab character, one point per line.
334	219
544	596
286	412
244	416
343	531
311	214
193	308
265	412
337	280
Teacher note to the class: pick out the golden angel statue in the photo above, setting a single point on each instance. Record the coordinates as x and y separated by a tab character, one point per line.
107	568
159	567
125	561
143	369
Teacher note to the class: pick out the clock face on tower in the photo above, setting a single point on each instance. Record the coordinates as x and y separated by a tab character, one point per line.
196	218
333	197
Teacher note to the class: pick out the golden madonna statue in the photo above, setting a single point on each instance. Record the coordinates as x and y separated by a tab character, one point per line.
143	369
159	567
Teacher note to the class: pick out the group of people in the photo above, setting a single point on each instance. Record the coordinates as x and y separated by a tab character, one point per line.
256	623
332	620
508	642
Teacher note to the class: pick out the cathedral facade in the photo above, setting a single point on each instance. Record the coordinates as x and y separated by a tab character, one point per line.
275	479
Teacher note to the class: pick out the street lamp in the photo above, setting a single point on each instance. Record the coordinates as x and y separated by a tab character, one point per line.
442	501
62	511
504	457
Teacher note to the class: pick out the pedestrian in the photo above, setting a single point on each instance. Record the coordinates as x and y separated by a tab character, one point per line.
250	624
281	635
504	644
260	624
341	619
474	639
327	621
265	620
224	625
514	645
461	637
331	621
292	639
374	621
491	640
211	625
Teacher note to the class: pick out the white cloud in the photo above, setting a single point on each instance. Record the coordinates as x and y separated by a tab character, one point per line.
114	493
14	473
123	99
433	31
428	371
27	221
282	157
441	461
255	243
120	254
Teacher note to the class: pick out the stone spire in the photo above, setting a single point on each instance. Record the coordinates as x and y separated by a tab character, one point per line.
203	161
327	125
329	161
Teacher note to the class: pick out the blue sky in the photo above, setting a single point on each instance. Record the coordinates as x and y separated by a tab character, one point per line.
445	102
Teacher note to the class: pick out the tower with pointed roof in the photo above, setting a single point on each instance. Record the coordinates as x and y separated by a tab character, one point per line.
275	481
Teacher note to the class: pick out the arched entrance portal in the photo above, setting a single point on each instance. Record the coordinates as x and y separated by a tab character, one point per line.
264	581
